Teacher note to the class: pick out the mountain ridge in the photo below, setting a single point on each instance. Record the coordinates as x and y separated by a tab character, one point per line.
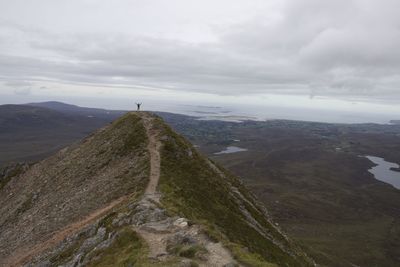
97	172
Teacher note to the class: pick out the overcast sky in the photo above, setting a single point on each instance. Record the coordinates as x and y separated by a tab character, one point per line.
342	49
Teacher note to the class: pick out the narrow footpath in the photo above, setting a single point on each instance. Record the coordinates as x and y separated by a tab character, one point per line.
160	230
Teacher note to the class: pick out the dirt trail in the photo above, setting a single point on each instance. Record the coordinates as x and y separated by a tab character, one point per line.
154	151
23	256
157	232
156	242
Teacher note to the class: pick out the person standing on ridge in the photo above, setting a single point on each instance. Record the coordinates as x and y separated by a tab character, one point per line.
138	106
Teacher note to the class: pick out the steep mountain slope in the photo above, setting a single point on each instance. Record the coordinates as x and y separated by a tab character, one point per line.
136	193
193	185
71	185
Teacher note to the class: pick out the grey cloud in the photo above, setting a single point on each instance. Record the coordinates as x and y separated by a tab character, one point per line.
18	83
341	48
22	91
20	87
352	43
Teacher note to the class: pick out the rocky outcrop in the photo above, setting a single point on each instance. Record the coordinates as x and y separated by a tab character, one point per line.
168	239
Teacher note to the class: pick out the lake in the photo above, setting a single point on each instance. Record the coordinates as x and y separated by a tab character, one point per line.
231	149
383	172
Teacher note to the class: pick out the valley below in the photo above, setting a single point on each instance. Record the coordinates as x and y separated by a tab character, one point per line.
313	178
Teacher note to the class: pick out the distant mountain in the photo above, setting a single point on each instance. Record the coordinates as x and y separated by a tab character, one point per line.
31	132
77	110
18	117
135	193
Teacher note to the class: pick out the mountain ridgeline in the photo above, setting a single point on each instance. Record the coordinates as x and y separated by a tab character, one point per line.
135	193
29	133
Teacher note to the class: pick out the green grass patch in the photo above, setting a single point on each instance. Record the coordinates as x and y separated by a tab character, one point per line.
126	250
188	251
133	132
247	258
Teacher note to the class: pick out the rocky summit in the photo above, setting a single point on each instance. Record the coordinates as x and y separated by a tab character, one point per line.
135	193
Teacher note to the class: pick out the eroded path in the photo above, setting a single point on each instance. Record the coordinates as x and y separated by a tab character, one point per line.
154	151
20	258
161	231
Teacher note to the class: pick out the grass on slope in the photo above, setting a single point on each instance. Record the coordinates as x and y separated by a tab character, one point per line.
126	250
131	127
191	187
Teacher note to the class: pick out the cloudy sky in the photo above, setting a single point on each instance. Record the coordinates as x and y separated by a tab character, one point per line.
343	50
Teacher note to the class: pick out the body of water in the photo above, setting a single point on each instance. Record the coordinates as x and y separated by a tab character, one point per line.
234	108
231	149
383	171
